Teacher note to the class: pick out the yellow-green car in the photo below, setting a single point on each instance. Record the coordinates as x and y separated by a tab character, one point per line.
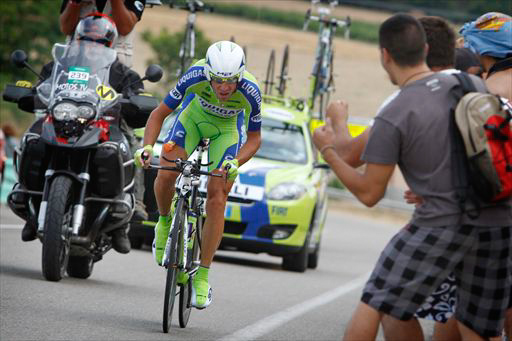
278	204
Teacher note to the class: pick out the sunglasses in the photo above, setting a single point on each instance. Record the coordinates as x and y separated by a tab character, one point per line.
217	79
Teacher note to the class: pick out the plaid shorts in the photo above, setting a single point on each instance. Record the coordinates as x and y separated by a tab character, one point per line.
418	259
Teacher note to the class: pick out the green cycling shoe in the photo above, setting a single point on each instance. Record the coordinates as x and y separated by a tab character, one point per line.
161	233
201	290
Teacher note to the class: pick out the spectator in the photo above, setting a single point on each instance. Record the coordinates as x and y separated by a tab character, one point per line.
439	238
125	14
490	37
467	61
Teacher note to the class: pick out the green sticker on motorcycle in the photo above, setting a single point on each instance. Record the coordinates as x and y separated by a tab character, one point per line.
78	75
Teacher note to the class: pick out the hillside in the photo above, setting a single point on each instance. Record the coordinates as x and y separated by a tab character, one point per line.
359	76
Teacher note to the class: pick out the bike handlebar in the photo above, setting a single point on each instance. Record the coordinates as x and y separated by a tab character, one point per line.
192	6
327	21
180	167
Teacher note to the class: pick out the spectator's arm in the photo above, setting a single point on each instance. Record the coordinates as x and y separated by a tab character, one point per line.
69	17
369	187
124	18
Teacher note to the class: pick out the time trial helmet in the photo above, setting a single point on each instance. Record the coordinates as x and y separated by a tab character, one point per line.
225	62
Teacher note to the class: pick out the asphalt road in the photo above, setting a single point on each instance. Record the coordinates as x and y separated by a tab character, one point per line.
253	299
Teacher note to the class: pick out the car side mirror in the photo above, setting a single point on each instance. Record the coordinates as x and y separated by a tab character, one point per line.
318	165
19	58
154	73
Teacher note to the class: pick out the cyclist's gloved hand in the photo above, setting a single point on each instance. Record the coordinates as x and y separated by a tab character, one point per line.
143	156
233	168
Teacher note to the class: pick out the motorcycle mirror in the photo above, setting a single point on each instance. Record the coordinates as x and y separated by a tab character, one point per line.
154	73
19	58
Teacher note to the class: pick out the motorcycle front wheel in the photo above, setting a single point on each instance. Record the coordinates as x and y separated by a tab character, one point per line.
56	242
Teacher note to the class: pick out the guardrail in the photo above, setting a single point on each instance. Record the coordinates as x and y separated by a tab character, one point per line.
388	202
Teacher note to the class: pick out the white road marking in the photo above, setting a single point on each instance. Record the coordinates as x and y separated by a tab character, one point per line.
11	226
272	322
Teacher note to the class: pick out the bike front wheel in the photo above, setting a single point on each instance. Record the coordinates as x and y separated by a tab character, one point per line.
186	289
172	267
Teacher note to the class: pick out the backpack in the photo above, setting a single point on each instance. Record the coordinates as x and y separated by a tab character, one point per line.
481	145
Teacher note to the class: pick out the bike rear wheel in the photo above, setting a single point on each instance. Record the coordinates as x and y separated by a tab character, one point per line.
269	79
284	71
172	267
185	57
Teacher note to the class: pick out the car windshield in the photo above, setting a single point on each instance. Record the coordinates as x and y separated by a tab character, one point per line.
282	141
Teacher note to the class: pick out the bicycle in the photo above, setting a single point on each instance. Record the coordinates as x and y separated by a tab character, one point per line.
182	251
283	75
187	47
322	82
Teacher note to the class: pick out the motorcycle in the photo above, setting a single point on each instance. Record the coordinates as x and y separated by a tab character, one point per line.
76	177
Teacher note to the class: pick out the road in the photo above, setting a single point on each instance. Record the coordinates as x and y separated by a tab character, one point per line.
253	298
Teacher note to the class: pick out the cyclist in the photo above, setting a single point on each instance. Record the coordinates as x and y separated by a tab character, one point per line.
216	99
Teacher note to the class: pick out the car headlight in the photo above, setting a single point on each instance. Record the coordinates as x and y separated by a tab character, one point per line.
65	111
287	191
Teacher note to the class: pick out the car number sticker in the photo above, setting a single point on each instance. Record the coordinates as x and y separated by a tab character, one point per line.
239	190
78	75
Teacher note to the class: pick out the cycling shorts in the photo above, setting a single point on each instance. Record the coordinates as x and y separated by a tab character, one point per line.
227	135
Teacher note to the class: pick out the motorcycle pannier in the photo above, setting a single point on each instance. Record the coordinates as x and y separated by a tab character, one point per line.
107	173
33	163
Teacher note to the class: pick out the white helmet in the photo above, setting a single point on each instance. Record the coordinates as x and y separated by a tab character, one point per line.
224	59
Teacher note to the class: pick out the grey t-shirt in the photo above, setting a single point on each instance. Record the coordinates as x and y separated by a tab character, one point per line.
413	132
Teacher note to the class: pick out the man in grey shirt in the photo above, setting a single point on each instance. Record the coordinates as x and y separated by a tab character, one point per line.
413	132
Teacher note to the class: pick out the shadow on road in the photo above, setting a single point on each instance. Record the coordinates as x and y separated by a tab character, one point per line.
21	272
246	262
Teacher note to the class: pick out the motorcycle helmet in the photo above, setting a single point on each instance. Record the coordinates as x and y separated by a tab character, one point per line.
97	27
225	62
490	34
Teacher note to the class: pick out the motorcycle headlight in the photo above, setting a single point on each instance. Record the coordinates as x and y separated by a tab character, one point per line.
287	191
85	111
65	112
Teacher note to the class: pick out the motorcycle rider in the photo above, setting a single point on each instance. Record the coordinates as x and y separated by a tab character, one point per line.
100	29
125	14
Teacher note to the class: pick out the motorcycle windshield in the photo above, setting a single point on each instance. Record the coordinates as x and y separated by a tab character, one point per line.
81	74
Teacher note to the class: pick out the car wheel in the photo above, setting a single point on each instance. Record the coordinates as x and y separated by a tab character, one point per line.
297	262
313	257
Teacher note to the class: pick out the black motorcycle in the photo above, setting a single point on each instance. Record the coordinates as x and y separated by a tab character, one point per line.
76	176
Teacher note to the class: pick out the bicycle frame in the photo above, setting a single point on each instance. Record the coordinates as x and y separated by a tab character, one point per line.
188	45
185	231
322	80
187	188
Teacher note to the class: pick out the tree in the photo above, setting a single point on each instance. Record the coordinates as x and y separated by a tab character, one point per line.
167	46
30	25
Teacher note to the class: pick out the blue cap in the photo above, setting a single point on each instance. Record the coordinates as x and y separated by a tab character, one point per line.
489	35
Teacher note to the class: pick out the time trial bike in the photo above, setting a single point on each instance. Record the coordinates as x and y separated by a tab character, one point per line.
181	257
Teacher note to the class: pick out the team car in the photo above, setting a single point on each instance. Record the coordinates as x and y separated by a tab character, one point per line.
278	202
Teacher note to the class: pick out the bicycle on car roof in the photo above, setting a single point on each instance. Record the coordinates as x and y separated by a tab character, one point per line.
322	80
187	47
